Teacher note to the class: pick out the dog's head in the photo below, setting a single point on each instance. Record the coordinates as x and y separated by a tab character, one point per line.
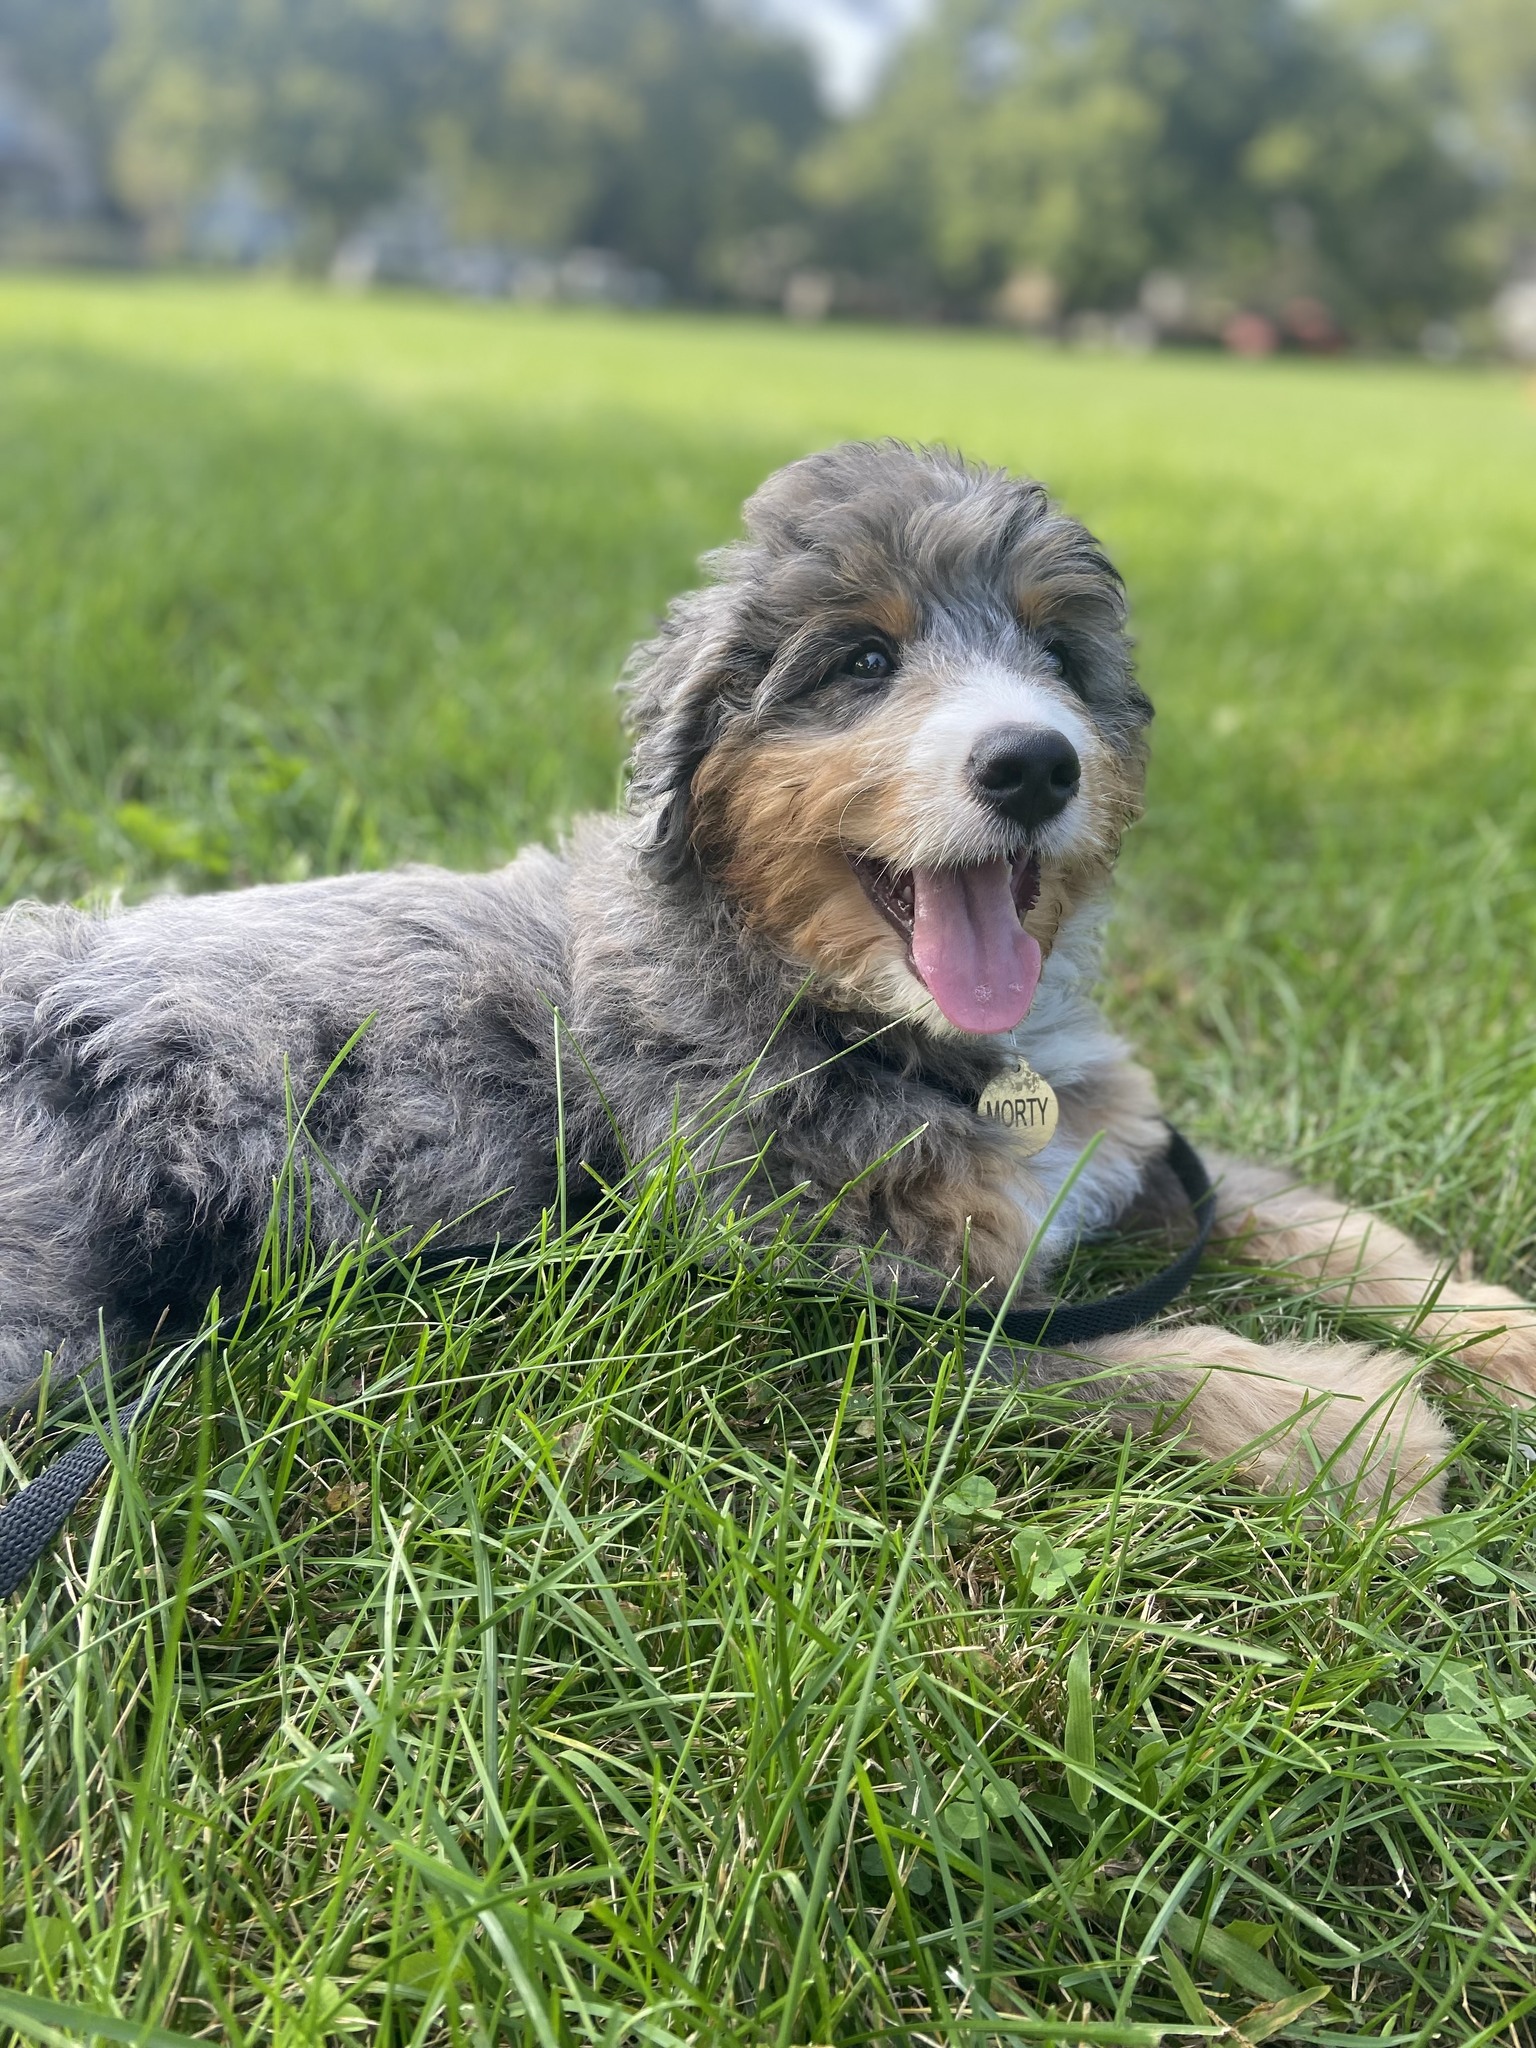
898	731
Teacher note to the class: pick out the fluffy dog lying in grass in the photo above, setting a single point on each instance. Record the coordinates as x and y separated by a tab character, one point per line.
882	766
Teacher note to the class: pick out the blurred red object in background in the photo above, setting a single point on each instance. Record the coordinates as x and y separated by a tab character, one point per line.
1251	334
1311	325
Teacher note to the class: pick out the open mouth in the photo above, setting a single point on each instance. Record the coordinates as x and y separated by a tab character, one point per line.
965	934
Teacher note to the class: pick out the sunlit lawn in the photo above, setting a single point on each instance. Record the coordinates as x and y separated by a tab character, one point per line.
638	1657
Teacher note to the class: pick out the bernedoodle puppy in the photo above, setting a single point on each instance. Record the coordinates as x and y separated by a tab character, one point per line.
882	766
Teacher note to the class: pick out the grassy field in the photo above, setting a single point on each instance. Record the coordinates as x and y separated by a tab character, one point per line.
604	1653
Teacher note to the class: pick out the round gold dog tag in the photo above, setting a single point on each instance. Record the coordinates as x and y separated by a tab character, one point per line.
1024	1105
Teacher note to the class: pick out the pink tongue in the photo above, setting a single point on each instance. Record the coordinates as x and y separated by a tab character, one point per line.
977	961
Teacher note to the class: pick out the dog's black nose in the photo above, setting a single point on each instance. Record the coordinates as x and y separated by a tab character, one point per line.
1028	772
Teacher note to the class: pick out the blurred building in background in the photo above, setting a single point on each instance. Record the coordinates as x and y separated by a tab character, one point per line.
1258	174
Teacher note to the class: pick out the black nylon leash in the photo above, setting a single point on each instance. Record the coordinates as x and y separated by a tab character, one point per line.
30	1522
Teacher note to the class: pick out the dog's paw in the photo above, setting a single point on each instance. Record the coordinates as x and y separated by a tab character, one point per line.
1345	1419
1492	1333
1342	1416
1357	1423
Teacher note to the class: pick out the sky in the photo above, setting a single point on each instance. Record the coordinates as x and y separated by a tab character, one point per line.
850	39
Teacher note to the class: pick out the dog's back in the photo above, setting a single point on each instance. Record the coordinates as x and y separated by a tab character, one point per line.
156	1063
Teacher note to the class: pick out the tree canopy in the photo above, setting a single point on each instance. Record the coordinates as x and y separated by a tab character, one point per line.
1247	144
1373	157
656	128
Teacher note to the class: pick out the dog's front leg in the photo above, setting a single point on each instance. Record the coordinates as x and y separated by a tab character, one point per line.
1283	1413
1353	1258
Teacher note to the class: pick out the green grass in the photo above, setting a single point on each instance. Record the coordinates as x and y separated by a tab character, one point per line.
617	1650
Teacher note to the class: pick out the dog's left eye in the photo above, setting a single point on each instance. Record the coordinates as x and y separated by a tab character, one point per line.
868	665
1060	656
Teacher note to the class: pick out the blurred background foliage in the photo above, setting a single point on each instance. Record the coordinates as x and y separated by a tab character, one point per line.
1338	169
1247	145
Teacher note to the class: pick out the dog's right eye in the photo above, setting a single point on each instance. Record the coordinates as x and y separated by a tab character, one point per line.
1064	661
868	665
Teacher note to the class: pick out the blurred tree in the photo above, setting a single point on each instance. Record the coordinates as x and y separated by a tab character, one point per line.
56	48
1375	155
321	98
657	128
1474	61
654	127
1243	143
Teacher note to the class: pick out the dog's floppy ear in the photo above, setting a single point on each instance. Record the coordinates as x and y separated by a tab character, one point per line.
681	687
